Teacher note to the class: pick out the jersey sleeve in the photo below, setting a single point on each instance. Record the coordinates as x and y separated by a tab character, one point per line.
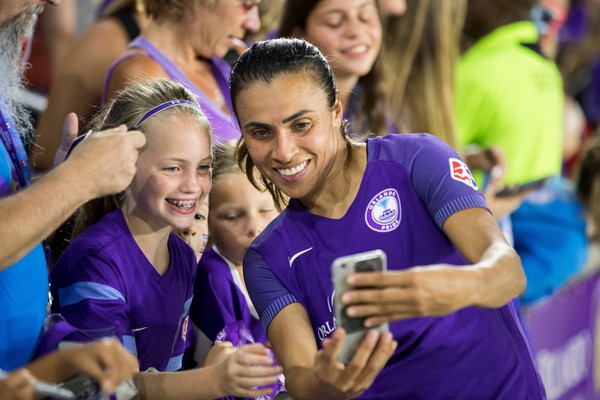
89	292
438	175
267	292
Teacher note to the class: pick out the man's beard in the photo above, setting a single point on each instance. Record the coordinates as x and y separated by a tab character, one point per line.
12	68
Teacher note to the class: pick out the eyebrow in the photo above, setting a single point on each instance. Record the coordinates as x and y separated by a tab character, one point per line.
182	160
283	121
295	115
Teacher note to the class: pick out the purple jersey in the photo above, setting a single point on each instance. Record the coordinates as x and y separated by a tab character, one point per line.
411	185
218	301
223	126
104	280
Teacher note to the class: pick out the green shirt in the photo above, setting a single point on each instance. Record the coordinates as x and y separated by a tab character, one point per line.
510	96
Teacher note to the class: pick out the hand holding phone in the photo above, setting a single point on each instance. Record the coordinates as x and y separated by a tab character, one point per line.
371	261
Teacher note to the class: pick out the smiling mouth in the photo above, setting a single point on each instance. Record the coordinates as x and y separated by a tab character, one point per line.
360	49
185	205
293	171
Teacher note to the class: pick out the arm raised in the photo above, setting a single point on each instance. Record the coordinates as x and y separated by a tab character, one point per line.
494	277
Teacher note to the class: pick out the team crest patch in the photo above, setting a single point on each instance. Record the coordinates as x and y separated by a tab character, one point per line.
384	211
460	172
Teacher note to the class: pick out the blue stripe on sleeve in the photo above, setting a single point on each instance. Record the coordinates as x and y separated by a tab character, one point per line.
175	363
186	307
274	308
87	290
129	344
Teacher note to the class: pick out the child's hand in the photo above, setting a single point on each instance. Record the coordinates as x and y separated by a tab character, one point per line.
218	353
248	368
17	385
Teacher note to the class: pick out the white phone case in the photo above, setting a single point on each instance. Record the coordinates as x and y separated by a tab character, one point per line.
341	267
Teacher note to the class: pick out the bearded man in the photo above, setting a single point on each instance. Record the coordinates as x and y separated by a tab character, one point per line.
104	163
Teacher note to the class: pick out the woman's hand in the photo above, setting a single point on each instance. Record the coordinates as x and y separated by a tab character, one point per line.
415	292
351	380
494	277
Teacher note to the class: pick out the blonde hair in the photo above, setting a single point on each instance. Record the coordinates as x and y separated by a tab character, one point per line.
420	52
129	107
224	159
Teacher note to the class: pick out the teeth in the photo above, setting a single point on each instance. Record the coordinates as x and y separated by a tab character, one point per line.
358	49
293	171
184	204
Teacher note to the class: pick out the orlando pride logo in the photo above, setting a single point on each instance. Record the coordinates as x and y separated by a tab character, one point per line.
460	172
384	212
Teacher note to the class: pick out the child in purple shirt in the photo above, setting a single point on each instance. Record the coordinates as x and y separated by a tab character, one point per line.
452	275
128	271
238	212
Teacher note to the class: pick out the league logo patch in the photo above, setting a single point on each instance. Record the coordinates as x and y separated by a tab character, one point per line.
460	172
384	211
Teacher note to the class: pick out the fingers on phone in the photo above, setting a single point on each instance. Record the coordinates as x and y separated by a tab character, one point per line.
333	346
370	358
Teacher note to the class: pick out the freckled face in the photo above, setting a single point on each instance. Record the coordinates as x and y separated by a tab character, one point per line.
291	135
173	172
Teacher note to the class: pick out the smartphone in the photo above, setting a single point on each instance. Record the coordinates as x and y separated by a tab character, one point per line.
371	261
83	387
513	190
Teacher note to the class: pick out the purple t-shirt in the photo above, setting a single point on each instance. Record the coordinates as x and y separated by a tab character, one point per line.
412	184
223	125
103	280
218	301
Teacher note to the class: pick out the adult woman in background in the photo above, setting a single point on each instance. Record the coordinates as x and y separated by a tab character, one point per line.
78	83
348	32
186	41
452	273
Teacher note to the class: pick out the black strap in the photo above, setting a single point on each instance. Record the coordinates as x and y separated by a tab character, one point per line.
125	17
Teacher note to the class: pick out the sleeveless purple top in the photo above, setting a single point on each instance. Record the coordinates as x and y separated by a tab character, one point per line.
223	125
